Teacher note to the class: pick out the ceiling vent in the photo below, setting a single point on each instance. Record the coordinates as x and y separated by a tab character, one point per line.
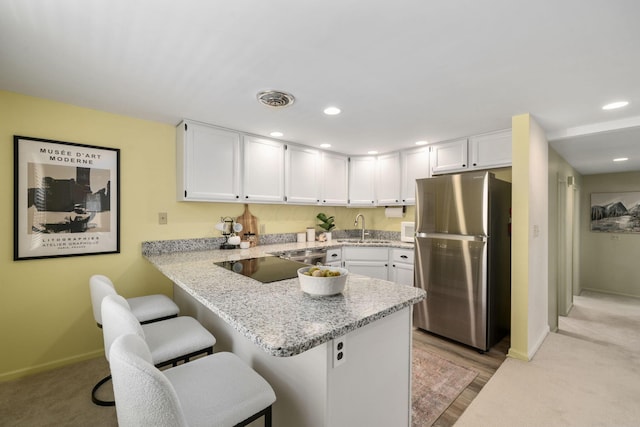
276	99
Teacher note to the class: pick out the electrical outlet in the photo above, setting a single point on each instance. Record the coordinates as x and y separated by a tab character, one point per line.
339	351
262	229
162	218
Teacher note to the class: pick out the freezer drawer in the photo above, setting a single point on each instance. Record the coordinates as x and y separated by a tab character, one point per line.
452	272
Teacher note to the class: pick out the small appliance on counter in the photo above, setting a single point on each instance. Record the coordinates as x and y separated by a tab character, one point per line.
229	228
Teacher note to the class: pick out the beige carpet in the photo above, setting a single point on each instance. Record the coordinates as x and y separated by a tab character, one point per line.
588	374
61	397
436	383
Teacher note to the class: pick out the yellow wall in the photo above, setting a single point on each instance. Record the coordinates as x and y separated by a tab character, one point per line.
529	244
45	309
519	239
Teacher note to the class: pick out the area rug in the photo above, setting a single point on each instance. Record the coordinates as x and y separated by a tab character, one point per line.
436	383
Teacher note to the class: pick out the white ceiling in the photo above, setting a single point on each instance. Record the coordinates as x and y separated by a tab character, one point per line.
400	71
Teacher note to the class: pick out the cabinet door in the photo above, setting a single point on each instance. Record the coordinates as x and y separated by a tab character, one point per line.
448	156
401	273
334	178
415	165
263	170
302	175
208	163
377	269
362	177
490	150
387	186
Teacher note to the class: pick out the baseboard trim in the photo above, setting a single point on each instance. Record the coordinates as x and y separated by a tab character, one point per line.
600	291
31	370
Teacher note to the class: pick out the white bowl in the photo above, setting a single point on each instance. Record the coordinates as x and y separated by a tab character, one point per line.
322	285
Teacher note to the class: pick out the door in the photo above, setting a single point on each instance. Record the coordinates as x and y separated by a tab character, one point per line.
263	170
452	272
302	175
453	204
376	269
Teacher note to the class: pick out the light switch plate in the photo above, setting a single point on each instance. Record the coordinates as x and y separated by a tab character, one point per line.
162	218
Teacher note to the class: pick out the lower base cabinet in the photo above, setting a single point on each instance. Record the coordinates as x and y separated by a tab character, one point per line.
376	269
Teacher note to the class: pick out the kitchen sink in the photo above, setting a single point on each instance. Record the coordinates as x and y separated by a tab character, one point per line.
363	241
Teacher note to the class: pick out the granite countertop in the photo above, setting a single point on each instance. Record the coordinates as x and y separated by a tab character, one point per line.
278	317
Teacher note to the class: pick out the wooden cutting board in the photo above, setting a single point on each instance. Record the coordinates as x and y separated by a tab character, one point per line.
249	224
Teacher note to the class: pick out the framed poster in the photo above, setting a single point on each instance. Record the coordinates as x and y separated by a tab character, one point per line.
615	212
66	199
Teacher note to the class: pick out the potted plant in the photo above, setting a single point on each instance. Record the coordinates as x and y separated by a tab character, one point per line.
326	223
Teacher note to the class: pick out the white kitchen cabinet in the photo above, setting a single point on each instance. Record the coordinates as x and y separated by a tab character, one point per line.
334	257
302	175
208	163
334	175
362	178
368	261
449	156
414	165
263	170
491	150
388	174
401	266
486	151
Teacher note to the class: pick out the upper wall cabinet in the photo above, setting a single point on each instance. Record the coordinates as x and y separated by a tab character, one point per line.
450	156
491	150
414	165
208	163
485	151
362	178
334	176
263	170
388	177
302	175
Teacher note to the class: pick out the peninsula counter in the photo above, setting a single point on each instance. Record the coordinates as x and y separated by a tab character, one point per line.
289	337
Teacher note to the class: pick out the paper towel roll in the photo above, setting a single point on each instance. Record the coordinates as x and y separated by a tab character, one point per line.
394	212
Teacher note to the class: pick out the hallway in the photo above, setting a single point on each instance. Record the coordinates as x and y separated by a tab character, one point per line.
587	374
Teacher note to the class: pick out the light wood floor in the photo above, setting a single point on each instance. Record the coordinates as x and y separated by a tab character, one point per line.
485	364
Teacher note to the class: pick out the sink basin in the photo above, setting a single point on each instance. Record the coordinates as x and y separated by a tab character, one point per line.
363	241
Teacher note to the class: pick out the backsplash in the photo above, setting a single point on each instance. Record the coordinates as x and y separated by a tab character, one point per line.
159	247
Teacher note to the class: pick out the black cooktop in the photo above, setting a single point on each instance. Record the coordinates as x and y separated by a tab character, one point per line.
264	269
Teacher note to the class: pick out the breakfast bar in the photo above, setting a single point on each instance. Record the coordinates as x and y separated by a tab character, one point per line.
338	360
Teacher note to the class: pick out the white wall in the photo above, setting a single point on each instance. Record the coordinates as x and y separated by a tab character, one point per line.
538	238
562	220
608	261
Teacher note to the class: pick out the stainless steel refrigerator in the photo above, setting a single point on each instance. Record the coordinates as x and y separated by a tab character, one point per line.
463	257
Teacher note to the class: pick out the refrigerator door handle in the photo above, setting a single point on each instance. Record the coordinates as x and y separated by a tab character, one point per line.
452	237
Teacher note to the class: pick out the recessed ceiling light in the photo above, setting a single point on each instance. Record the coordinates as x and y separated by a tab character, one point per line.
276	134
325	145
614	105
421	142
372	152
331	111
621	159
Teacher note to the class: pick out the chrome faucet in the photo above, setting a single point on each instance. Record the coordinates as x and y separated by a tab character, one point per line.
355	224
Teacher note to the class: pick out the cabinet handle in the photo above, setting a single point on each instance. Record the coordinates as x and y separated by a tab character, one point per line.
237	196
464	166
334	255
475	164
246	197
404	256
393	265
